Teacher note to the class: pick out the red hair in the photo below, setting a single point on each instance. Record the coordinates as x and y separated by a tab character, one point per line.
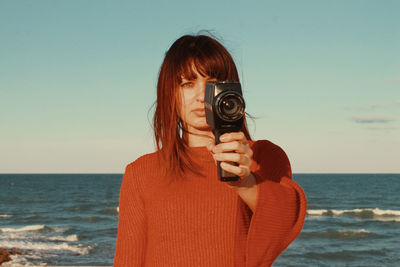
210	58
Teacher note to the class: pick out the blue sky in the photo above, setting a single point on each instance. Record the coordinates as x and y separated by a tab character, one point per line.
77	79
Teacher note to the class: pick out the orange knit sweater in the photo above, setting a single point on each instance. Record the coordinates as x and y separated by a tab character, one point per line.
199	221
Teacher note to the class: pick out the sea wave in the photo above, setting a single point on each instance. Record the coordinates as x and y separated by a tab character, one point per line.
353	232
317	212
5	216
27	245
57	229
376	213
69	238
386	219
21	260
21	236
28	228
34	228
344	255
340	234
109	211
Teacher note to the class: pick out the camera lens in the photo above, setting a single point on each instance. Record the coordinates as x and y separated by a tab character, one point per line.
231	107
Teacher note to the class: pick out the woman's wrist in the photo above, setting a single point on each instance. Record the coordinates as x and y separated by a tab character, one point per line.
243	184
248	191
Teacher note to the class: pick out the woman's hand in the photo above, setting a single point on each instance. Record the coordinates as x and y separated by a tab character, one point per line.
234	147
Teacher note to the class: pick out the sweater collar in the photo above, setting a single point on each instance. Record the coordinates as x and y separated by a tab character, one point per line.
199	151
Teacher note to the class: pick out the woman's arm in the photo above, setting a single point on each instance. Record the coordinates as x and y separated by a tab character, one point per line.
248	191
277	203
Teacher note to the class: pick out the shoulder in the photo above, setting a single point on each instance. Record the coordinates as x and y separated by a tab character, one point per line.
142	166
264	145
137	172
144	162
266	148
270	160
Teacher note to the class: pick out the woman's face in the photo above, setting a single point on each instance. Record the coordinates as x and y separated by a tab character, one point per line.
192	103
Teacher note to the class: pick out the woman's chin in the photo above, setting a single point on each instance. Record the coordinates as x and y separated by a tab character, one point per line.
204	128
200	128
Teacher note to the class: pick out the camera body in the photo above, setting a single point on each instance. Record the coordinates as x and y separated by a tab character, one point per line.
224	107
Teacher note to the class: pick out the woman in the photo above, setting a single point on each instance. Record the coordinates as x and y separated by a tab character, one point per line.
173	209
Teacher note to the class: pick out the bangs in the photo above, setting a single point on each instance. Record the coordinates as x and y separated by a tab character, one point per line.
209	59
189	68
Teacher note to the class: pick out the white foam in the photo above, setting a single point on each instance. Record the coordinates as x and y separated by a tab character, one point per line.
5	216
23	260
386	219
59	229
117	209
340	212
351	231
69	238
19	260
28	228
25	245
13	236
316	212
380	212
375	212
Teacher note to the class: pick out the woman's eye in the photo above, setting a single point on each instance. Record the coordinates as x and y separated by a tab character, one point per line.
187	85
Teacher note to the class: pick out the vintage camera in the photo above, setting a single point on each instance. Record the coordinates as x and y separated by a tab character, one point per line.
224	106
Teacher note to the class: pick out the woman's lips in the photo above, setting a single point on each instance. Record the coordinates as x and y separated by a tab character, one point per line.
200	112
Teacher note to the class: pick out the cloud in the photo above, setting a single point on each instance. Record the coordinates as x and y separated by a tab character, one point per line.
387	128
374	106
364	108
371	119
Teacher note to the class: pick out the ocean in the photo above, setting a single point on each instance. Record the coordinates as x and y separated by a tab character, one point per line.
72	219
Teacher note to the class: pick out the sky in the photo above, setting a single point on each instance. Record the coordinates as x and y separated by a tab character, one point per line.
78	79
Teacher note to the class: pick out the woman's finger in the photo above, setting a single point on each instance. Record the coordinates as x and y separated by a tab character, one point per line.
233	136
210	146
230	146
241	171
241	159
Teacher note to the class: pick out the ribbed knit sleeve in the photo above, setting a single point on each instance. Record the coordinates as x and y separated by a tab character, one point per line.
131	239
280	210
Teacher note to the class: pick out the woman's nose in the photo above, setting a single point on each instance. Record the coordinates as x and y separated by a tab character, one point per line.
201	91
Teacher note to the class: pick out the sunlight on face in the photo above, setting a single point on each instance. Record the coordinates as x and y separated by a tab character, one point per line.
192	102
